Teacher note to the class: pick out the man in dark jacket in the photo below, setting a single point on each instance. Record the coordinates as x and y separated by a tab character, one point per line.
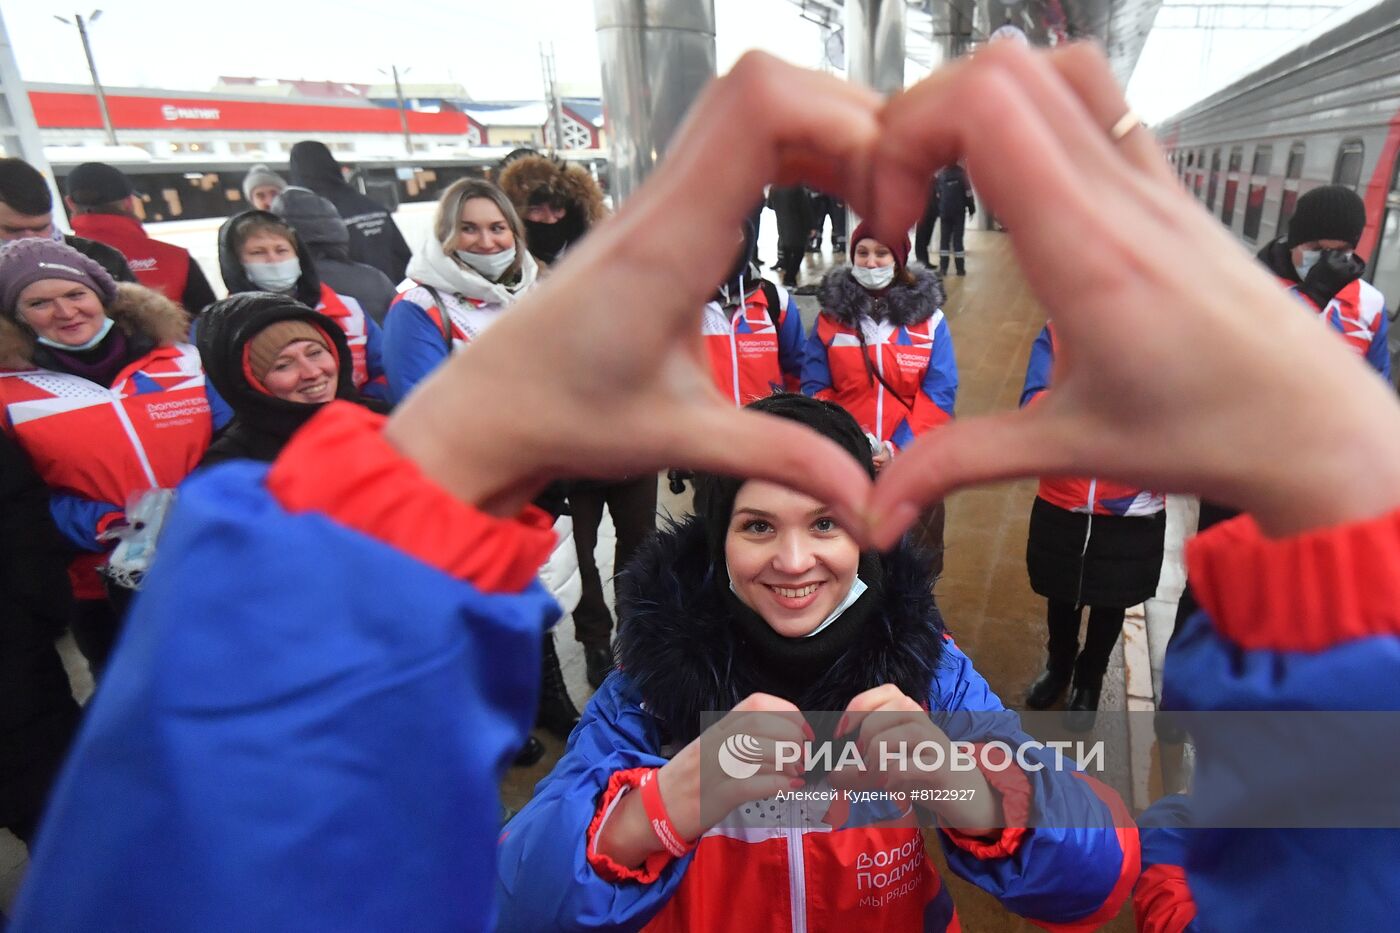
102	201
26	210
327	239
955	205
795	225
374	237
38	716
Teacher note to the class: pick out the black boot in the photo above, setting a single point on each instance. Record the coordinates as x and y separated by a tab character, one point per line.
557	714
1062	646
598	660
531	752
961	267
1083	707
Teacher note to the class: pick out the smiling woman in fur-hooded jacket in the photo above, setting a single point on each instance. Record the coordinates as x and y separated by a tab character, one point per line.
757	606
472	265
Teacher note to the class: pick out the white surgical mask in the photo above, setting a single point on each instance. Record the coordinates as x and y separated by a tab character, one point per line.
1310	258
490	265
101	334
274	276
877	278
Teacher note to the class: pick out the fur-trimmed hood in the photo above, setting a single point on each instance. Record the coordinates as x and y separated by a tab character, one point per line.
524	176
846	300
679	646
137	310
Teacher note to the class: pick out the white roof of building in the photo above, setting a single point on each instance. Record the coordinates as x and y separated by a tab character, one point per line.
534	114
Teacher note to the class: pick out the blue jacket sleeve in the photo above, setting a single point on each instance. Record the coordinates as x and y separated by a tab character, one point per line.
1072	864
220	413
378	386
80	519
816	366
1038	370
790	346
413	347
546	882
938	393
1379	353
302	727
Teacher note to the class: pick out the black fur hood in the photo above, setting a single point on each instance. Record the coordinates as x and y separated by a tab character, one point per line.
680	648
845	300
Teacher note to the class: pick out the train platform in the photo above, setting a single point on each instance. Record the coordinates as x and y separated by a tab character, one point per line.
984	594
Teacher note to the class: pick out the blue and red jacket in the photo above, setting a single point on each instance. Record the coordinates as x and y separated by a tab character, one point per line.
1072	871
416	337
1305	623
753	351
1090	495
365	338
902	379
304	725
96	446
1358	313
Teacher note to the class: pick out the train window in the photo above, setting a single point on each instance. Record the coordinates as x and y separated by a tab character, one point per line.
1348	169
1385	268
1214	184
1290	187
1200	171
1258	187
1232	186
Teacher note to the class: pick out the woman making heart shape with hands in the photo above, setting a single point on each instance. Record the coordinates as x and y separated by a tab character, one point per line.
359	759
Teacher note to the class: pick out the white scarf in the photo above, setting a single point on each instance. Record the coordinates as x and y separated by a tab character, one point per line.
431	266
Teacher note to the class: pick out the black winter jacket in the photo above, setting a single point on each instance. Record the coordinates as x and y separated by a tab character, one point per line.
374	237
262	424
327	239
793	210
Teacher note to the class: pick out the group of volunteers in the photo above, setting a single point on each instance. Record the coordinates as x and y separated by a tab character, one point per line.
340	645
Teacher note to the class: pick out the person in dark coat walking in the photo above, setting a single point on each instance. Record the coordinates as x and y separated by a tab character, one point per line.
248	343
955	205
824	206
26	210
327	239
374	237
38	715
795	224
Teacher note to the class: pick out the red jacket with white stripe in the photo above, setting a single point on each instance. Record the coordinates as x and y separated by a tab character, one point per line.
1081	494
886	358
754	350
95	446
163	267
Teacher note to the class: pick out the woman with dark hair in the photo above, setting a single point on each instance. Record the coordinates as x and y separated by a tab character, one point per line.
881	350
761	603
276	363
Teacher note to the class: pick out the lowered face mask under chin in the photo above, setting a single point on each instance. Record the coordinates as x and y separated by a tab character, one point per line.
857	590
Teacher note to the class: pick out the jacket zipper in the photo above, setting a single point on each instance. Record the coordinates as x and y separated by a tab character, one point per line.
135	439
880	390
1084	550
797	880
734	350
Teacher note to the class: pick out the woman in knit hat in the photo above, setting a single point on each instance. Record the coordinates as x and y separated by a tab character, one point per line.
100	390
276	363
881	350
757	606
261	186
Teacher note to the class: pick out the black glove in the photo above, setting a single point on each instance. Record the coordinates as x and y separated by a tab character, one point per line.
1334	270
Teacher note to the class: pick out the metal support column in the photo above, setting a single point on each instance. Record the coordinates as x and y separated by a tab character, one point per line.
656	56
19	132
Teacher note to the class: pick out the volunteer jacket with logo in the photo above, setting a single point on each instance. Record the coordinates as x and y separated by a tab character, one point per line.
304	725
1299	624
95	446
753	351
167	268
1358	313
416	334
1081	494
797	864
886	358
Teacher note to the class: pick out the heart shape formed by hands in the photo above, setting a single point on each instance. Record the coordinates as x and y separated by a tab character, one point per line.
1181	364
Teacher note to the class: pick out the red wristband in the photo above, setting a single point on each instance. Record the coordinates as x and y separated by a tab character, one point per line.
655	808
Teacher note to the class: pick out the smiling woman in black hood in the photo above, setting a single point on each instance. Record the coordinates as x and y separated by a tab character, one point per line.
262	423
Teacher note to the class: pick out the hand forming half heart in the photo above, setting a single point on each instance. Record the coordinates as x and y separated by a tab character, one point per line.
1182	366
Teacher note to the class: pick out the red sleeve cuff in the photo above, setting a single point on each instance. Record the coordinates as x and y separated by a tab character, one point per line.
1162	902
620	783
339	464
107	521
1014	788
1307	592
